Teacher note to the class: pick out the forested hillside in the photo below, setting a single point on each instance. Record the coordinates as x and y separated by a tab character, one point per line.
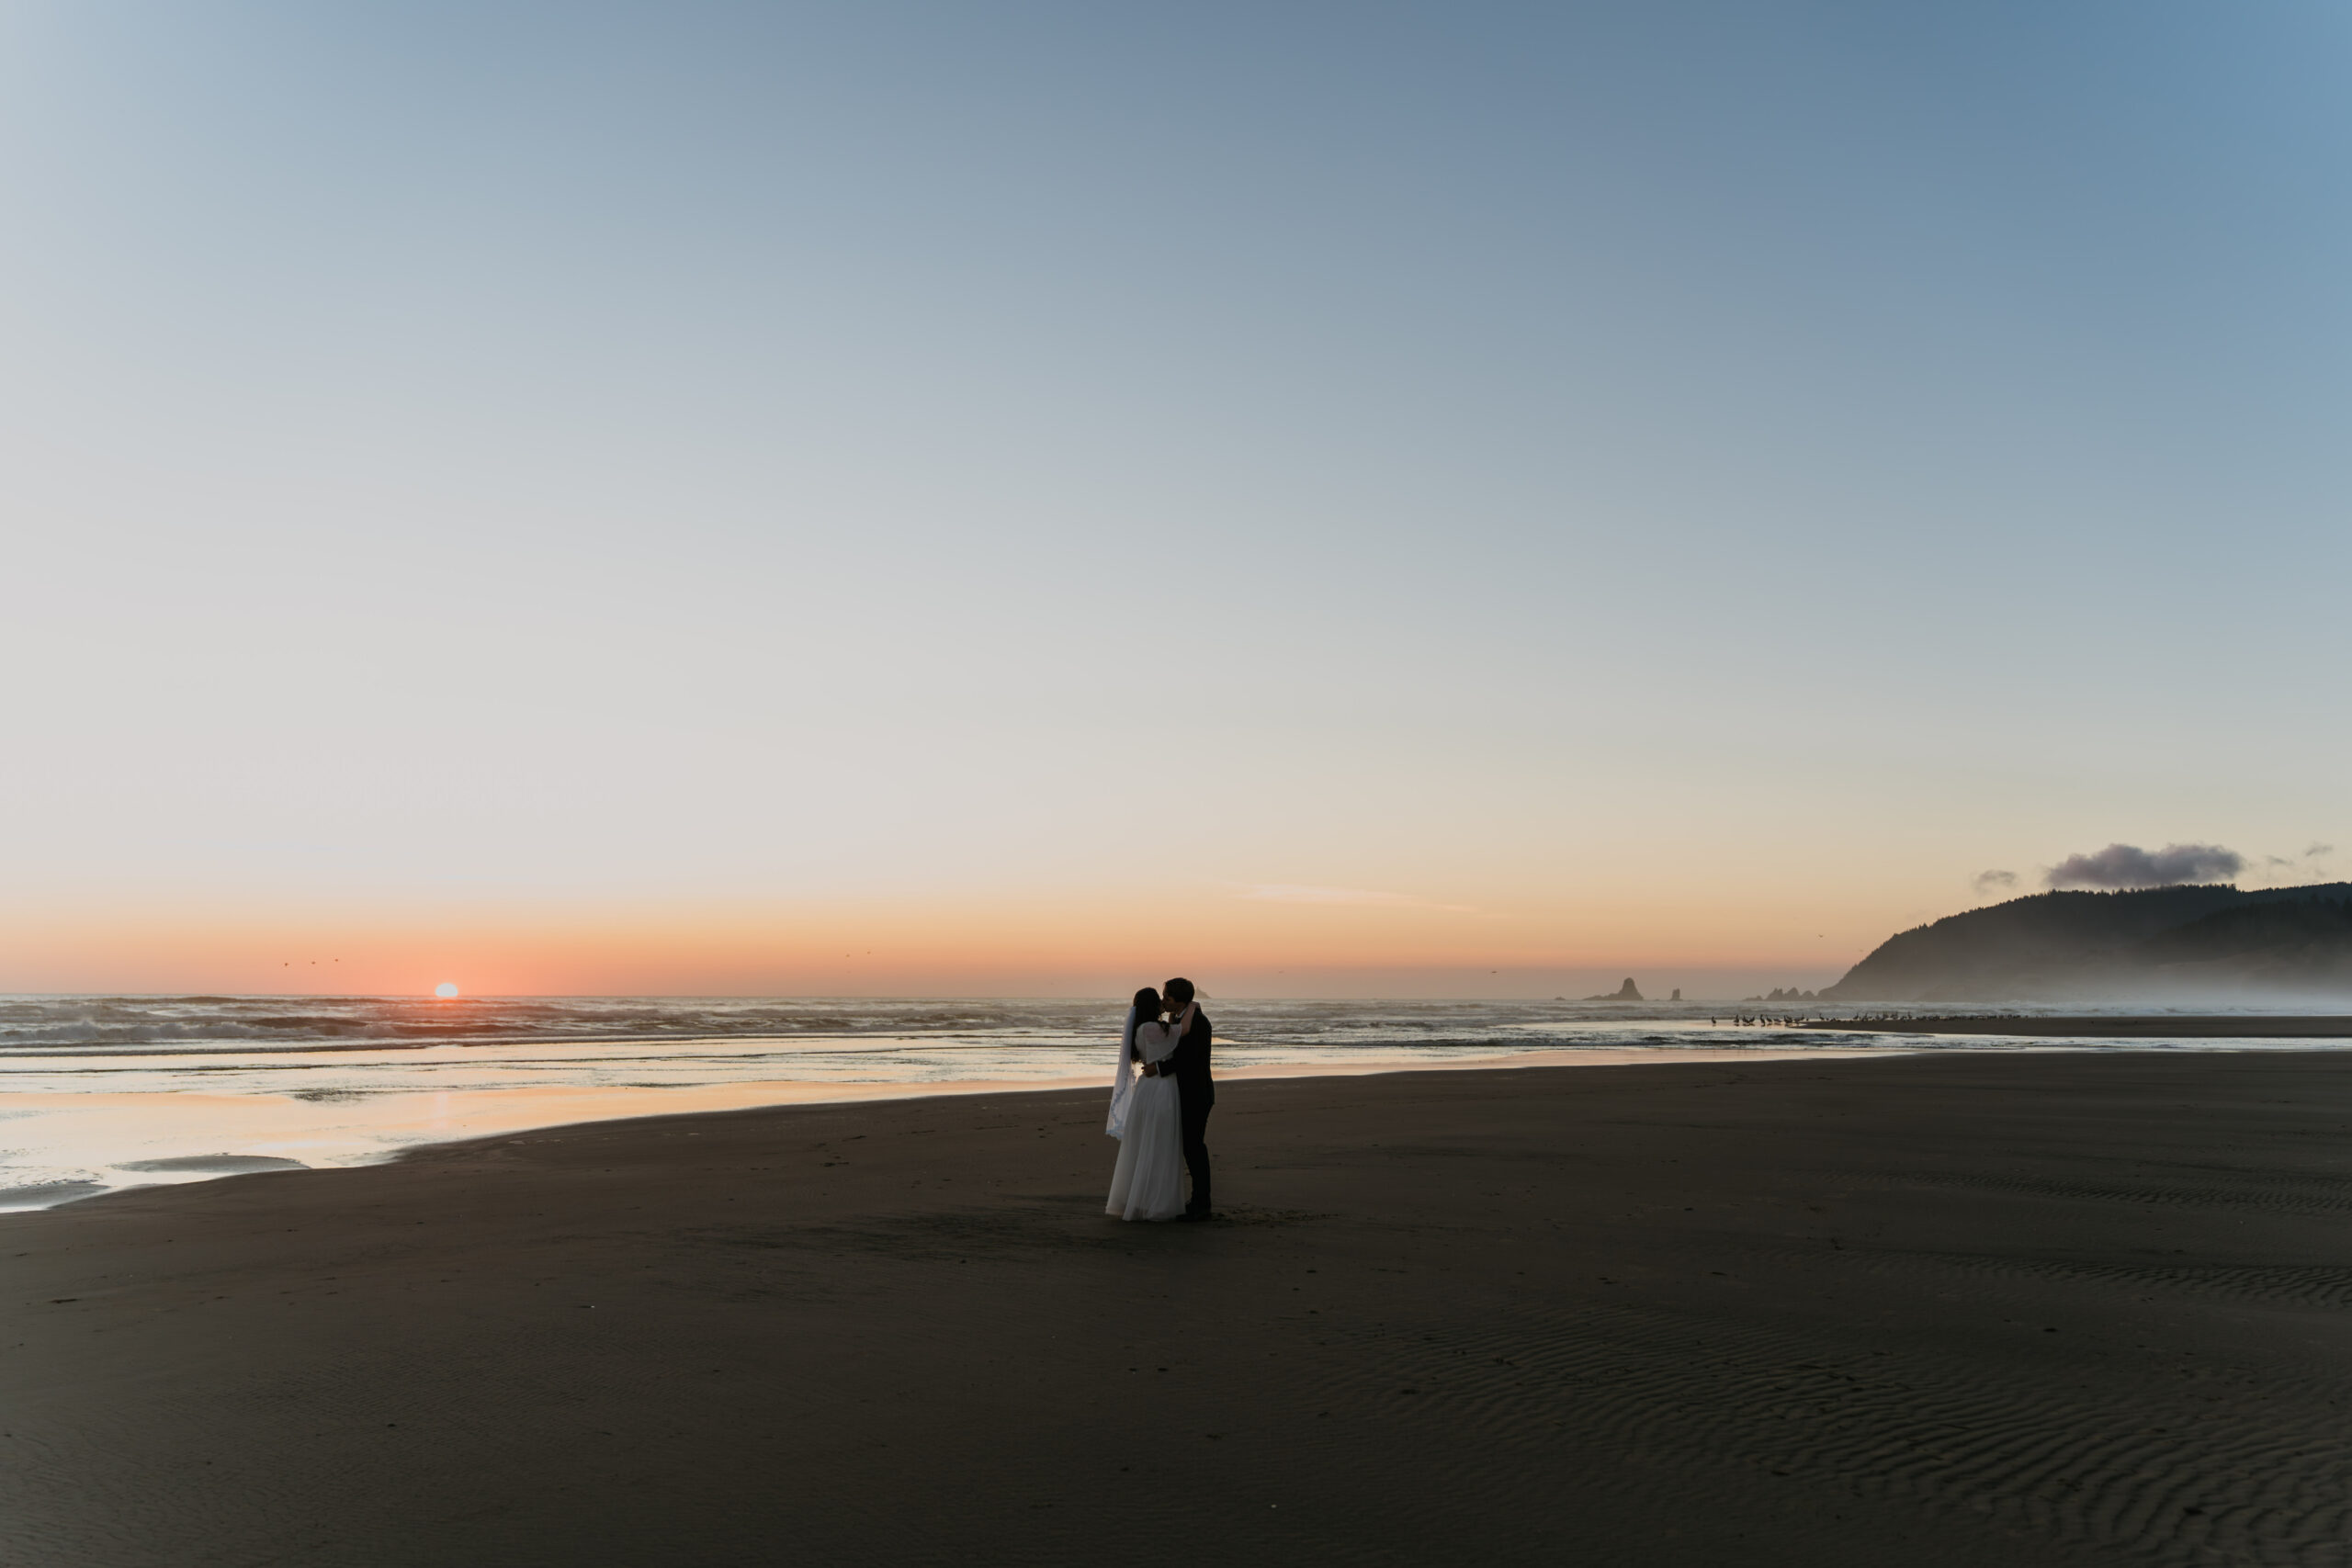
2161	944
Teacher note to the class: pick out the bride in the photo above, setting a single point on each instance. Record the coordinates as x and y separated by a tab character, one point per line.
1147	1117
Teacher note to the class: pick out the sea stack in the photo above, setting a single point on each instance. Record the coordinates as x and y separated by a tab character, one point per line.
1624	993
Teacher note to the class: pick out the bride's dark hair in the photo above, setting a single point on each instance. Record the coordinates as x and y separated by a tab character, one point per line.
1147	1005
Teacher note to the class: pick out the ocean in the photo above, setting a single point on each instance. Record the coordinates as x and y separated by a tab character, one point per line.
103	1092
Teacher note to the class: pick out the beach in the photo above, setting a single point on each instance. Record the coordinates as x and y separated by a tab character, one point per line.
2014	1308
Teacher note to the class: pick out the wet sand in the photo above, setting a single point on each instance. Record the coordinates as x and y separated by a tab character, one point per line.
2100	1026
77	1143
2005	1309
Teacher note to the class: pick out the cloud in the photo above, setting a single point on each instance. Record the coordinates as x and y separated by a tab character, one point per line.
2128	865
2319	851
1994	881
1293	892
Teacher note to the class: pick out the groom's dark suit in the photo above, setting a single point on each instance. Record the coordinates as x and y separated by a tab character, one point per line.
1196	1094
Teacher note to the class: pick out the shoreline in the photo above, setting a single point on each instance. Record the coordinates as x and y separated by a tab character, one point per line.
2152	1026
391	1125
2009	1309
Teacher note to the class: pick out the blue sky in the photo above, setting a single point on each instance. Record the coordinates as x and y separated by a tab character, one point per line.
1685	484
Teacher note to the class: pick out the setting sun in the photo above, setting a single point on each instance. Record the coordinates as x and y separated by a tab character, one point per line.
445	990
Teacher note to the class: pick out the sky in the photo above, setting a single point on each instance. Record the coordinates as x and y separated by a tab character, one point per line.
1332	499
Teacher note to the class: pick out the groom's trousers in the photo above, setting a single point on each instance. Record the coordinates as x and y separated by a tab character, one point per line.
1194	1114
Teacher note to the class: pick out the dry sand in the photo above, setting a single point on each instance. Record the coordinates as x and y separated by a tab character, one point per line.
2009	1309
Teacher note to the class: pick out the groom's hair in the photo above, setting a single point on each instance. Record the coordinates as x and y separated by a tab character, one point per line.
1179	993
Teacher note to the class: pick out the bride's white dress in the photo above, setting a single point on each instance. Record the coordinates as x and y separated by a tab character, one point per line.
1149	1181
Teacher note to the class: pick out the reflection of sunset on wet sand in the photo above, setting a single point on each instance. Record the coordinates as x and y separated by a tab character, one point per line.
121	1083
118	1137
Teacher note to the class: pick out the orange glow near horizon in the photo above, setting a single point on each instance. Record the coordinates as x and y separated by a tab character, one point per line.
1038	945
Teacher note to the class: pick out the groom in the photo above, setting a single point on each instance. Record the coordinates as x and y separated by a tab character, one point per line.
1195	1092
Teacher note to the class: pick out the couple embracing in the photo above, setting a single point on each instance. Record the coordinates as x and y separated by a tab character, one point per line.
1160	1097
